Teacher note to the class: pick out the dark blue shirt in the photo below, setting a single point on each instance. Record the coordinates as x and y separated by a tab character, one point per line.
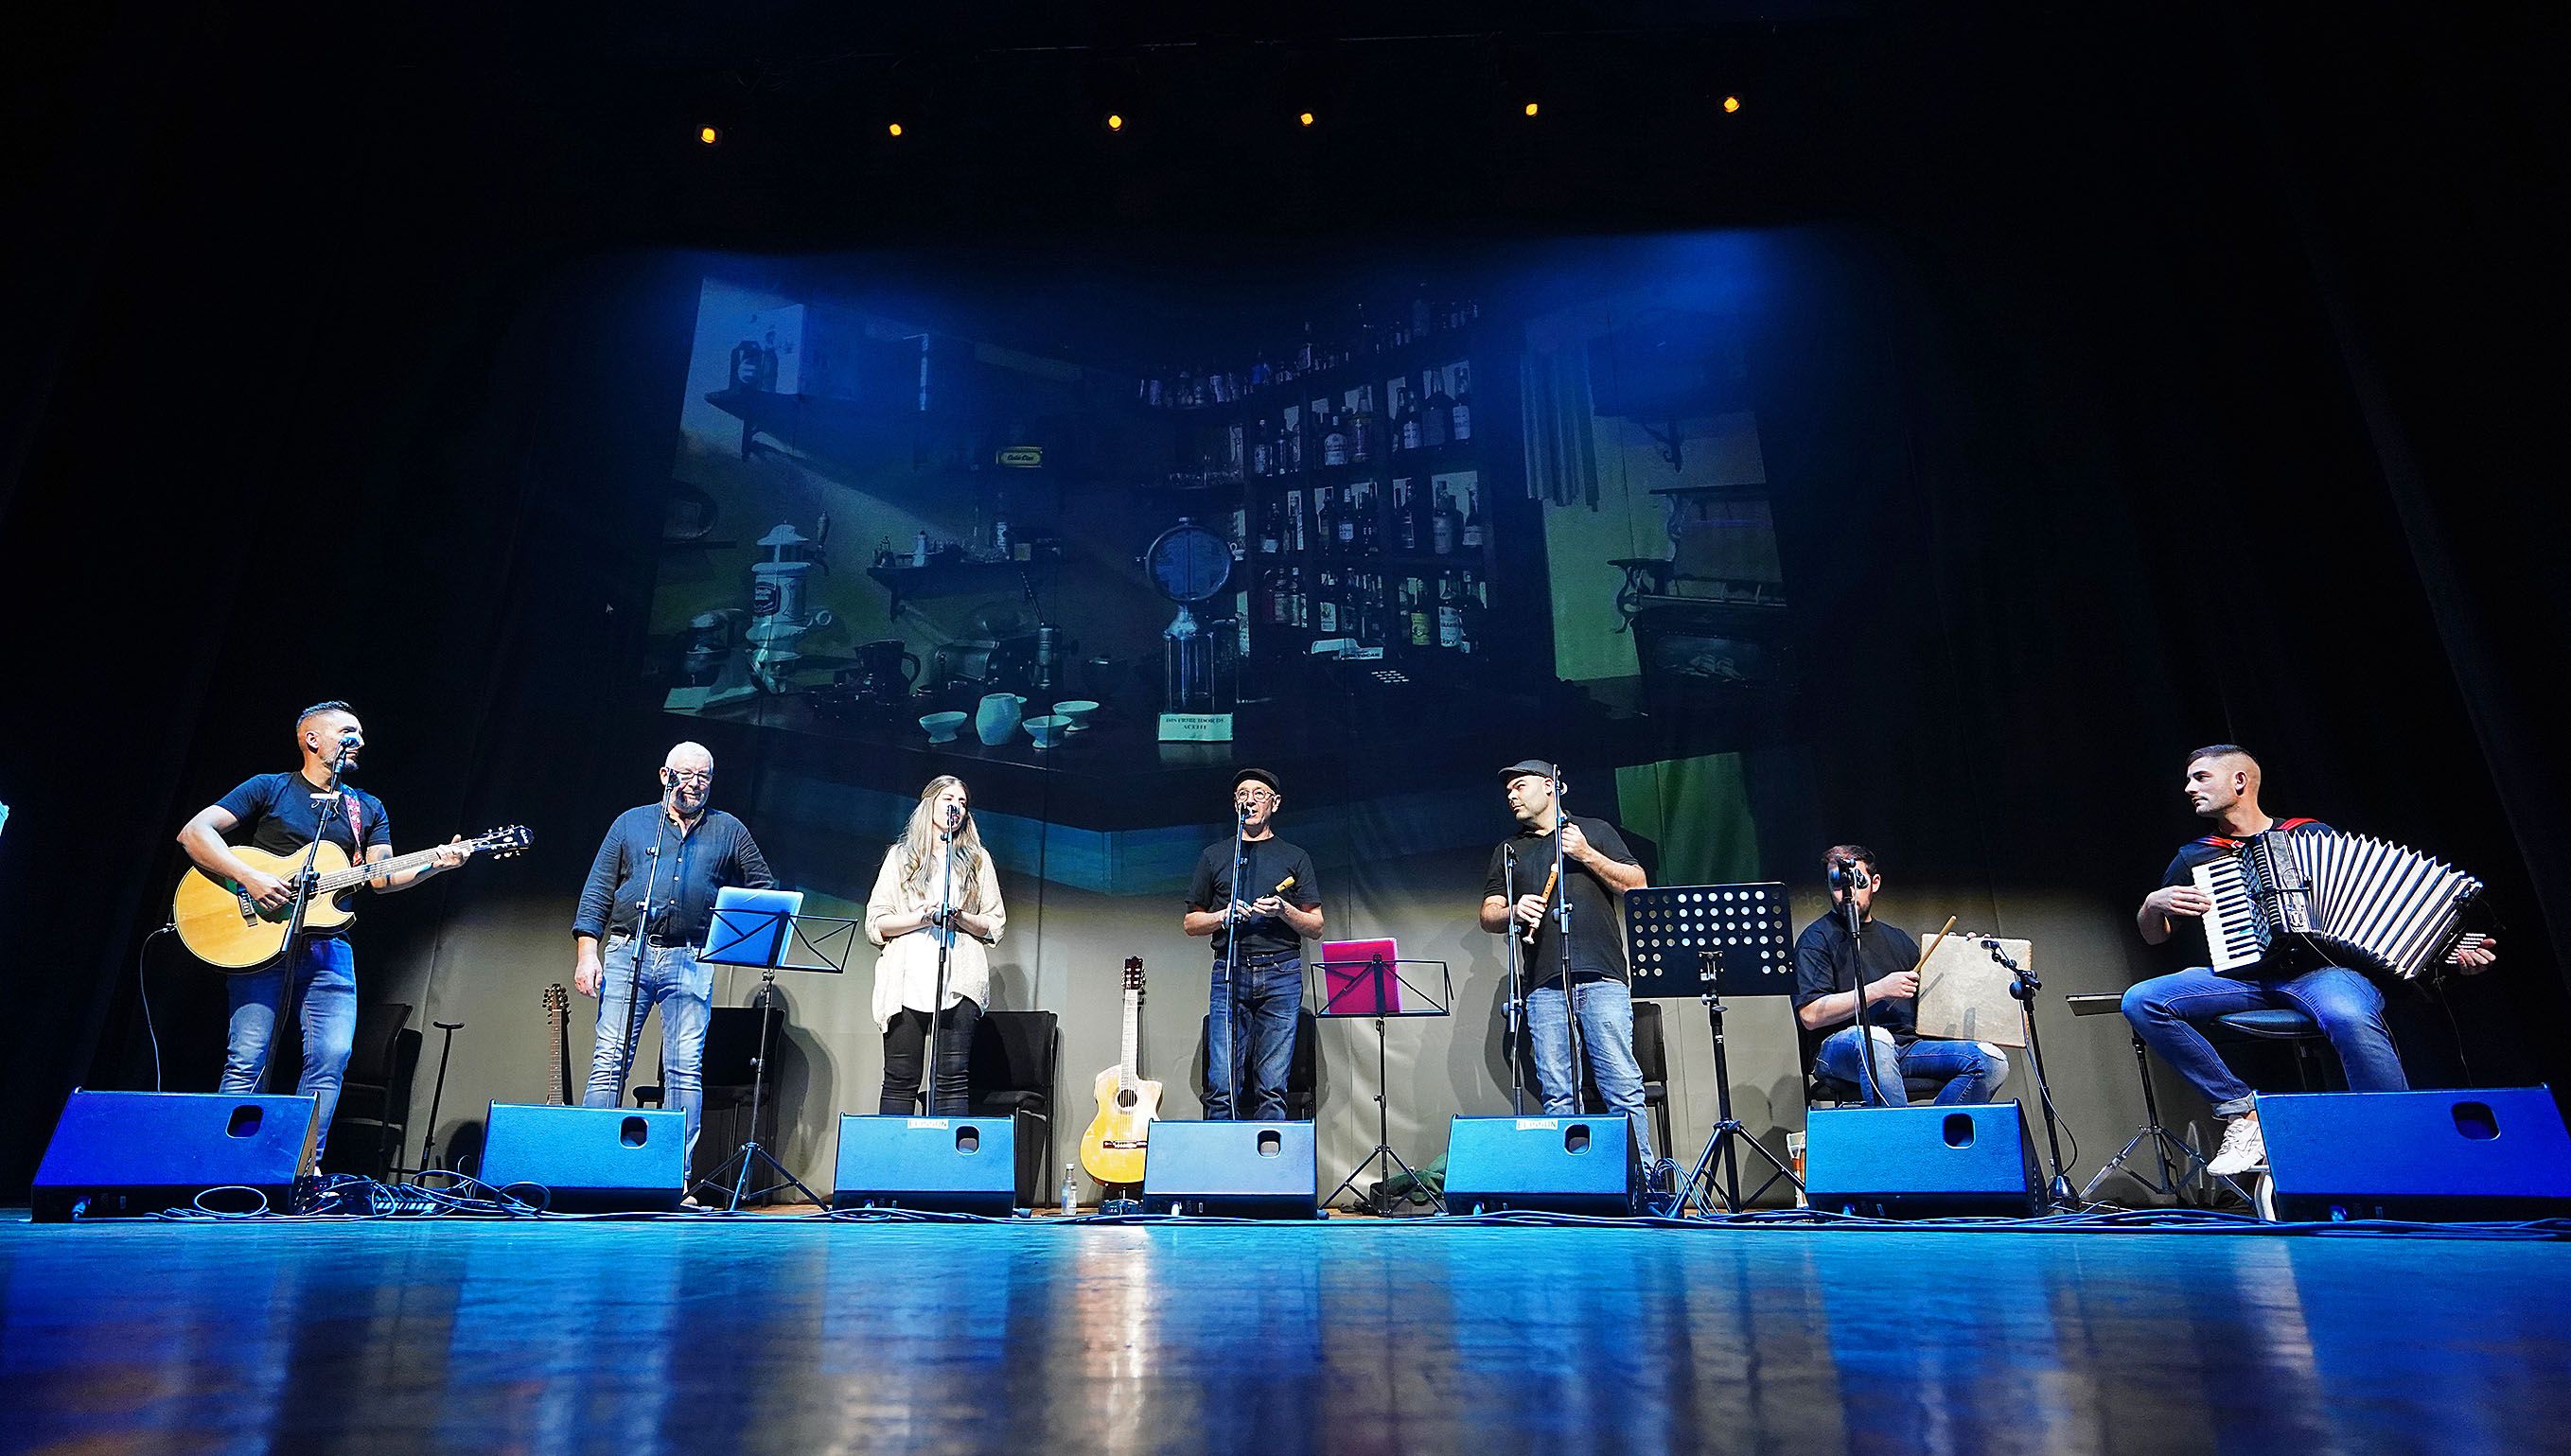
717	852
277	813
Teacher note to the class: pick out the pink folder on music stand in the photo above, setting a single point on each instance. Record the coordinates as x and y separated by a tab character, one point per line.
1348	980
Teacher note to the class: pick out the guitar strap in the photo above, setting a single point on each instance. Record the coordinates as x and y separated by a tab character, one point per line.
355	811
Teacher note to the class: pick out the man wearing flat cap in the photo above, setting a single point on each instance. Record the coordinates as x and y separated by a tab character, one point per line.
1596	869
1255	894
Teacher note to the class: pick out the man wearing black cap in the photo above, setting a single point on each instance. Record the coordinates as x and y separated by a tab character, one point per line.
1258	952
1596	869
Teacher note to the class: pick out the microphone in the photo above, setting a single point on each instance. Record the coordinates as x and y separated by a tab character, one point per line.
347	740
952	816
1245	810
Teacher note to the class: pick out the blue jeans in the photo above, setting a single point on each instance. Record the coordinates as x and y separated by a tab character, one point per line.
684	992
325	991
1248	1071
1971	1071
2346	1005
1606	1033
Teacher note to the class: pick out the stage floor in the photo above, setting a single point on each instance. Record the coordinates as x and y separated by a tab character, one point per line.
1407	1337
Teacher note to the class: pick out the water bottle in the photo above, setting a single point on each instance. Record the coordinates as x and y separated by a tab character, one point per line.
1070	1192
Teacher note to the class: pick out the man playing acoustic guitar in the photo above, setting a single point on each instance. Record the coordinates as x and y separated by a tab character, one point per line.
277	813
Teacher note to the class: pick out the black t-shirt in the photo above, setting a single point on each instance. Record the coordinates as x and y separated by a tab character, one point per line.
277	813
1597	936
1825	962
1264	865
2186	935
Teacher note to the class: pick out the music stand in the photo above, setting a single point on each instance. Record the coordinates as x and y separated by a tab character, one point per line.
1364	978
764	929
1713	941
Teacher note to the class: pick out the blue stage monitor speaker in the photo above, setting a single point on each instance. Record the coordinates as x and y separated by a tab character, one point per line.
950	1165
1571	1165
587	1160
2495	1152
1237	1170
129	1154
1921	1162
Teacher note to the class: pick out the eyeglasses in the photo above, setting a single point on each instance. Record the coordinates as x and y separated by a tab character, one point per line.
689	775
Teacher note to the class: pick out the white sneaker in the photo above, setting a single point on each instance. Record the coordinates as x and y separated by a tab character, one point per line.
2244	1148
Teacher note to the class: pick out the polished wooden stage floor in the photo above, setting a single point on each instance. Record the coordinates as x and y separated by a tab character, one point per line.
768	1336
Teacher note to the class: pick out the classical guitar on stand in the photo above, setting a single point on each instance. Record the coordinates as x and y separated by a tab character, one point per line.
558	1029
1112	1148
224	927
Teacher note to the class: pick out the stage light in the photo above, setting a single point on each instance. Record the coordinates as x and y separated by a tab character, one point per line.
894	130
709	135
1115	122
1530	107
1731	103
1305	116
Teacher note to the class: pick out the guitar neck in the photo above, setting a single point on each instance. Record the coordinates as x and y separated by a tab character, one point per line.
357	875
558	1069
1133	1021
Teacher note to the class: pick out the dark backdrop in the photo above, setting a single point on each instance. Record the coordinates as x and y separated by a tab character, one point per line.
2206	356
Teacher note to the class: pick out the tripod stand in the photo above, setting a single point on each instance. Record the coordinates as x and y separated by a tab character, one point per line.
762	928
1667	929
2165	1148
1357	986
1700	1181
750	1155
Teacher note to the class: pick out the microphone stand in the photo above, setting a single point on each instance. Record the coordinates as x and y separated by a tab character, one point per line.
290	1006
1231	964
1516	1009
1848	873
2058	1190
1562	924
946	946
643	949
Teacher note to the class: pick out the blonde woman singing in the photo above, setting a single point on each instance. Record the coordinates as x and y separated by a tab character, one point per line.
919	873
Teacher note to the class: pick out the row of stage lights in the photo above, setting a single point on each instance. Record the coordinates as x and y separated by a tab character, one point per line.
1115	122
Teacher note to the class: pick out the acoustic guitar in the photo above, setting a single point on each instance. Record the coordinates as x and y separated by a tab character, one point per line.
558	1027
1112	1148
224	927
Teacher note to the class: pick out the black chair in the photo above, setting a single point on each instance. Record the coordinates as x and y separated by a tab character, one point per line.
373	1116
1302	1077
1010	1071
2277	1026
1651	1054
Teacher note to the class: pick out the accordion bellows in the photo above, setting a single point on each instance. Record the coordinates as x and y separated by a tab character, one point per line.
2358	901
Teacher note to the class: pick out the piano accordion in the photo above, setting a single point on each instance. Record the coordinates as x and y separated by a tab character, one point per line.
2359	903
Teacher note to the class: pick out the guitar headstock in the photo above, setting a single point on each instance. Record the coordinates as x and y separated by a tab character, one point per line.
1134	973
503	842
557	999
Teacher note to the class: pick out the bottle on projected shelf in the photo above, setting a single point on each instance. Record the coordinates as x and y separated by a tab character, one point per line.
1405	417
1334	442
1370	531
1267	514
1471	540
1415	595
1450	614
1361	426
1463	429
1262	448
1434	418
1443	526
1344	529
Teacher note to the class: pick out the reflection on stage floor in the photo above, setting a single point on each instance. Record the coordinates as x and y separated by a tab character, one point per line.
760	1336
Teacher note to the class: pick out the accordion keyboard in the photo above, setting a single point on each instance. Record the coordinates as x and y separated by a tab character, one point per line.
2235	932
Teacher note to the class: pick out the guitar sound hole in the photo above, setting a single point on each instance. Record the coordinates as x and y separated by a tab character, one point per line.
1125	1100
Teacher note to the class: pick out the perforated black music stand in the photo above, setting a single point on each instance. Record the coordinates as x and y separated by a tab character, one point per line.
769	940
1709	942
1365	994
